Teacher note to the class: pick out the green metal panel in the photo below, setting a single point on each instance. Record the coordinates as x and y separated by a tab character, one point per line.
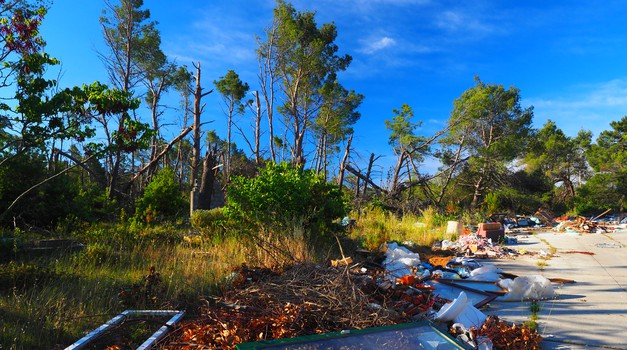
419	335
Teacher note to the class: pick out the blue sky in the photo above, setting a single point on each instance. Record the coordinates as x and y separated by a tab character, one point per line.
566	57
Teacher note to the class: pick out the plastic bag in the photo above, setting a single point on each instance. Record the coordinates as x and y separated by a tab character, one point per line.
534	287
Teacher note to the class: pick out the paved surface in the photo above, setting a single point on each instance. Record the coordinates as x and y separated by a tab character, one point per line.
588	314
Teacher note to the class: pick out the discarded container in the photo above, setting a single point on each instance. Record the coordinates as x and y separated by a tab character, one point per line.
492	230
454	227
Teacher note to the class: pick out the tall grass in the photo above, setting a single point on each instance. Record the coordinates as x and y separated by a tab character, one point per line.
377	226
75	292
57	298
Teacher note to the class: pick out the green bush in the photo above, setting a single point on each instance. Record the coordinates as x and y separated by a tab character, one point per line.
210	223
283	197
162	199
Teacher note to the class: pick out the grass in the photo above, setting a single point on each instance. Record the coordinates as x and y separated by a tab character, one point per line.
532	323
56	298
376	227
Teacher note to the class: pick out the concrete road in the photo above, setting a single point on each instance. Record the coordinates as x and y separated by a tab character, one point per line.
588	314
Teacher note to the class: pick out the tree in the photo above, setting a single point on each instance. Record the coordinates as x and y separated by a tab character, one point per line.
305	59
129	39
558	157
404	141
494	129
233	90
268	79
335	121
608	158
609	154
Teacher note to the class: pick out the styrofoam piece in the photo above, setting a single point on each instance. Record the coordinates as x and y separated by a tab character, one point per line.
470	317
487	277
449	311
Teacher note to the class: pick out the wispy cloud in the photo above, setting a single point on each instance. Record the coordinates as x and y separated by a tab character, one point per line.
459	21
372	46
589	107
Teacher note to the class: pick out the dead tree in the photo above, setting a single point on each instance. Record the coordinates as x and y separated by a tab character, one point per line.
340	177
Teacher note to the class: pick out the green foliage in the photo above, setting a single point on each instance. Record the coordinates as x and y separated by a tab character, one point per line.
211	223
601	192
610	152
304	57
403	129
46	206
283	194
511	200
493	129
162	198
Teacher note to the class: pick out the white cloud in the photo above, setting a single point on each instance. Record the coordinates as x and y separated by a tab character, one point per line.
372	46
456	21
589	107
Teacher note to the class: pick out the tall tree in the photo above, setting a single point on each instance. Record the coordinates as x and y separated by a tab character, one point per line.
305	58
201	188
494	128
404	141
233	90
335	121
128	34
183	84
268	78
608	158
559	157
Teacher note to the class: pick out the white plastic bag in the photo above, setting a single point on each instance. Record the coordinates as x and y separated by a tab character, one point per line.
534	287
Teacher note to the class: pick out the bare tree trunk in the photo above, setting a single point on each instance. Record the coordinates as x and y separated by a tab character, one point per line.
340	177
267	81
198	109
477	193
205	192
397	170
370	162
449	176
257	130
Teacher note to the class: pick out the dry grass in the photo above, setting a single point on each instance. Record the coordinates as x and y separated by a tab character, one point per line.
376	226
80	289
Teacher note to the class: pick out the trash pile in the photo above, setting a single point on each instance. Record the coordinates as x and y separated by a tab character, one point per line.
395	288
479	247
602	223
581	224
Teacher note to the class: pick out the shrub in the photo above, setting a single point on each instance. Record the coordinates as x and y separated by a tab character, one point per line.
286	202
282	194
162	198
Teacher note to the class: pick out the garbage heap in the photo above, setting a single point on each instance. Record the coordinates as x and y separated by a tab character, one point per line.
388	288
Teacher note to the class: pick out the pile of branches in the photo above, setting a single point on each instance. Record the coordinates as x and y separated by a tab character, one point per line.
264	304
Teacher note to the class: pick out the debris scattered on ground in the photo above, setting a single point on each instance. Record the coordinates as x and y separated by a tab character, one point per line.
507	336
403	286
